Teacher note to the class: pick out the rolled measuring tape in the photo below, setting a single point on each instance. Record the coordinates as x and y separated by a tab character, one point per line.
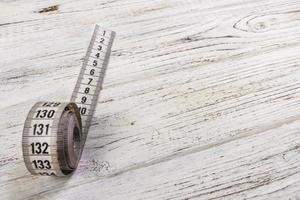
54	133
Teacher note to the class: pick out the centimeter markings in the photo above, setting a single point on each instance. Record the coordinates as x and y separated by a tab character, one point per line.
89	83
40	139
40	134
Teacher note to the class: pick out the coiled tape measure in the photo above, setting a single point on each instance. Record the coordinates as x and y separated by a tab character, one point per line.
54	133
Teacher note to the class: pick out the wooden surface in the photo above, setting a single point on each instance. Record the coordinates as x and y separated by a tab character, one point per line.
201	99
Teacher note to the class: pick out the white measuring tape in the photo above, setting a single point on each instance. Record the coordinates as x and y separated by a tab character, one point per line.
54	133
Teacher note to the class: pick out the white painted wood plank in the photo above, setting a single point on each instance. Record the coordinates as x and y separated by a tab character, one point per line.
187	81
242	169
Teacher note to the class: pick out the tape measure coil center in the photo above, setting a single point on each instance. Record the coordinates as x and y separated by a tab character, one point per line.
69	139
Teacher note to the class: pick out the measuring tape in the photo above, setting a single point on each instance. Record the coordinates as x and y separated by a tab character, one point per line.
54	133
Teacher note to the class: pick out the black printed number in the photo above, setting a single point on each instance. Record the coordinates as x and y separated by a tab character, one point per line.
92	72
45	113
38	148
95	63
82	110
87	90
47	173
42	164
51	104
90	80
83	99
39	129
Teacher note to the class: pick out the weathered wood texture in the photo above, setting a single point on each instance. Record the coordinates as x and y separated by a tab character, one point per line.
201	98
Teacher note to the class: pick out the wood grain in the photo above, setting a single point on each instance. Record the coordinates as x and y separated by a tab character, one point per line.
200	101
